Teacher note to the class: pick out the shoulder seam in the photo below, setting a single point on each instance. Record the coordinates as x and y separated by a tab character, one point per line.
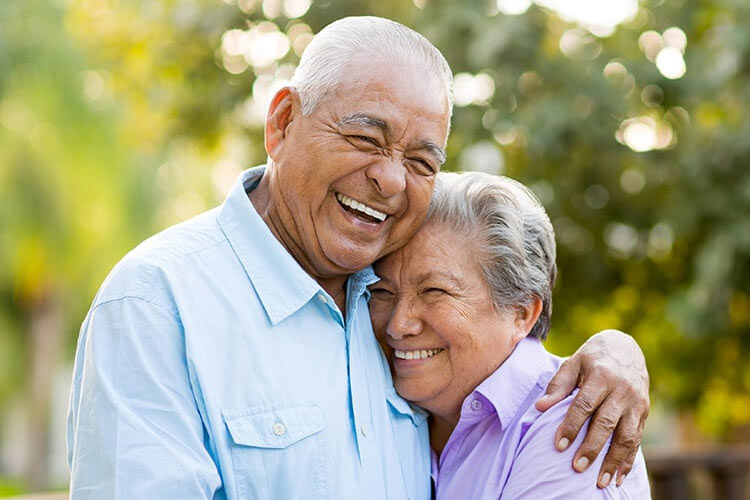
136	297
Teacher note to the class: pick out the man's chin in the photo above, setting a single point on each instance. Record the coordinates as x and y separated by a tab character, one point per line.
352	260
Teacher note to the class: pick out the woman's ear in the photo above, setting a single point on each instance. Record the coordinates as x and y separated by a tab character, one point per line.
526	317
284	108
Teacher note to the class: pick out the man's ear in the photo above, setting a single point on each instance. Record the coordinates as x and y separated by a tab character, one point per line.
284	108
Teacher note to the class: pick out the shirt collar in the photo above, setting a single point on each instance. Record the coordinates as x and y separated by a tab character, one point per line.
508	388
283	287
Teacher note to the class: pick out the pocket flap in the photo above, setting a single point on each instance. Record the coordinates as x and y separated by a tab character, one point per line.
274	426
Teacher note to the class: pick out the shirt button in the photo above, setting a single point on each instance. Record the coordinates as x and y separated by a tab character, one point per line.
322	298
476	405
364	430
278	429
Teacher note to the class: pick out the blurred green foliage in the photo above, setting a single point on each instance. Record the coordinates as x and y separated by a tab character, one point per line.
118	118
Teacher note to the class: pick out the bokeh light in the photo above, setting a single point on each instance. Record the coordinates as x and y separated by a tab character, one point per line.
296	8
670	63
644	133
621	239
472	89
483	156
513	7
650	42
600	18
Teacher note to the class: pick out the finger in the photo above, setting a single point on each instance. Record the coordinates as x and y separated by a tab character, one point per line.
601	426
626	466
622	450
583	406
562	384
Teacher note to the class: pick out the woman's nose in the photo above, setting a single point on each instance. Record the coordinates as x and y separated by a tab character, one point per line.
405	321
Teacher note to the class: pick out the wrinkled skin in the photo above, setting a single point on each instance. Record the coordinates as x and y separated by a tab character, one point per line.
315	157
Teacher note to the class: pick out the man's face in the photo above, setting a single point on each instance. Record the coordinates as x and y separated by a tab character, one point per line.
355	177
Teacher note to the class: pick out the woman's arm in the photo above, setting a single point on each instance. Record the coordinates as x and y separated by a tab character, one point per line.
539	471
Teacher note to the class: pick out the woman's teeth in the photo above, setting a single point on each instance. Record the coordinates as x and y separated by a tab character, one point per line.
420	354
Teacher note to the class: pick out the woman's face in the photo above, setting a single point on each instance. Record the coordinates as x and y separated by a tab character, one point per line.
433	314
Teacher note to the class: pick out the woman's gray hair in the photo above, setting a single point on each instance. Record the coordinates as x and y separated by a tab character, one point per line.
327	61
513	232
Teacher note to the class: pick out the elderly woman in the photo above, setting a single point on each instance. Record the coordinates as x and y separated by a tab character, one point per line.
461	312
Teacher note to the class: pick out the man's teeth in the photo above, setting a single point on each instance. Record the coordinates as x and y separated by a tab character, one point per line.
349	202
420	354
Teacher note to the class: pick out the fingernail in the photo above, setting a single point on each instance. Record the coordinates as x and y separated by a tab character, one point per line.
604	481
620	480
581	463
562	444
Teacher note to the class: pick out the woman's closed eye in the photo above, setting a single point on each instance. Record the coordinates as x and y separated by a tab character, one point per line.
380	292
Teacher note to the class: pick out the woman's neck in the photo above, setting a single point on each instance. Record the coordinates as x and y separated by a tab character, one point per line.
440	431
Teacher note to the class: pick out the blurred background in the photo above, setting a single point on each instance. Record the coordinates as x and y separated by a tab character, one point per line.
628	119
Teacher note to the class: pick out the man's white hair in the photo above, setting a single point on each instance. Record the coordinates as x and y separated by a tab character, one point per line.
327	61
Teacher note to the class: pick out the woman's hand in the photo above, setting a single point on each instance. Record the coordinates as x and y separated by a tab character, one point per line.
611	372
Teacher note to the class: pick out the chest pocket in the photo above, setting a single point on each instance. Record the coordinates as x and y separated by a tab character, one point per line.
278	451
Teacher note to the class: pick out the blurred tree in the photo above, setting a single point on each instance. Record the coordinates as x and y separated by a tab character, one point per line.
634	137
73	202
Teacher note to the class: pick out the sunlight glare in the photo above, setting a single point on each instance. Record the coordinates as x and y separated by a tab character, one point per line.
650	43
296	8
675	37
670	63
472	89
600	18
513	7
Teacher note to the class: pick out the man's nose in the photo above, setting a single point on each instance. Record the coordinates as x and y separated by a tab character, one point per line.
405	321
388	174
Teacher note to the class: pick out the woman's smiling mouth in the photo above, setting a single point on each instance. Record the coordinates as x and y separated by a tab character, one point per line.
416	354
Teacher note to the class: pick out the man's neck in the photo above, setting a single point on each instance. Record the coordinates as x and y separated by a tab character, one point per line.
260	197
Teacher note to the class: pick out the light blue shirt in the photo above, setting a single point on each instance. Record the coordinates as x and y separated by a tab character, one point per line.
212	366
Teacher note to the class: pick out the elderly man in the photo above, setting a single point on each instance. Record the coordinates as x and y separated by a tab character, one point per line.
232	356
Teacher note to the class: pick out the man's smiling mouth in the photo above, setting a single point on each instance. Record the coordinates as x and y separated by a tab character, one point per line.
361	210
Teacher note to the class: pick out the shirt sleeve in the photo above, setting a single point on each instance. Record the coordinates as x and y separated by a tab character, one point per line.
540	471
134	430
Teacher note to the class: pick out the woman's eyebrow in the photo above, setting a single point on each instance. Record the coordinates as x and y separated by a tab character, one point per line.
426	276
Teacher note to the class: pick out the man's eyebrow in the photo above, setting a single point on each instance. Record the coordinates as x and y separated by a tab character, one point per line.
365	120
436	150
